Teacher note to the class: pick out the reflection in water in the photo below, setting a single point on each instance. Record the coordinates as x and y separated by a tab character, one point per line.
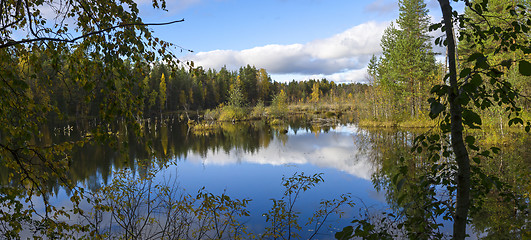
253	143
247	160
244	160
332	150
500	209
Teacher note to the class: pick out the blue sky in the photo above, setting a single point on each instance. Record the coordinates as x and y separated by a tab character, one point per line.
291	39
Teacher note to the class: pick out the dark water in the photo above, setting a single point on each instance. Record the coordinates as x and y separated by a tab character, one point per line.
249	160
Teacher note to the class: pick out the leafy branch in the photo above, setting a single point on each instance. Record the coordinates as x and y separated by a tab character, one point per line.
23	41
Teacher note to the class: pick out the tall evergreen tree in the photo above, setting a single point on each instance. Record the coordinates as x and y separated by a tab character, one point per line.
248	78
408	60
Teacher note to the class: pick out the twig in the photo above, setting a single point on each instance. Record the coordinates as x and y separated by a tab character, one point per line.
13	43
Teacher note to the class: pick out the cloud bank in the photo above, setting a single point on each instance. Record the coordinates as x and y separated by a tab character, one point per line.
342	57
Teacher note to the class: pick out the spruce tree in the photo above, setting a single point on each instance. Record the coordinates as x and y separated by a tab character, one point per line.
408	60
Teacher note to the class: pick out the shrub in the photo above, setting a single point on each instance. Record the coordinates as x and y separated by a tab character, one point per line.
213	114
259	111
279	107
232	113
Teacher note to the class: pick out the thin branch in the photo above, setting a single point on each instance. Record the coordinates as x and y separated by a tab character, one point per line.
11	24
12	43
30	21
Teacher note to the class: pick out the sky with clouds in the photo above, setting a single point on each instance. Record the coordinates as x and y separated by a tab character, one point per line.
291	39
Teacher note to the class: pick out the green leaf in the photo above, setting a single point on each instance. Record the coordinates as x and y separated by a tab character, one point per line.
475	57
470	140
495	150
471	119
435	26
435	109
515	121
465	72
479	9
476	80
525	68
346	233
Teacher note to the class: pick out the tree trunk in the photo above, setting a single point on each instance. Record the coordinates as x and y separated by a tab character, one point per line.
456	123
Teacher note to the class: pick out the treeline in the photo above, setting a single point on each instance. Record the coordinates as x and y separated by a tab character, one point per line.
75	84
200	89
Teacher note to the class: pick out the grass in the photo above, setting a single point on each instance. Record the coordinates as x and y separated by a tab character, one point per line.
419	122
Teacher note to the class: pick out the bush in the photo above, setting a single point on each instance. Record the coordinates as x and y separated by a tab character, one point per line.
232	113
213	114
259	111
279	107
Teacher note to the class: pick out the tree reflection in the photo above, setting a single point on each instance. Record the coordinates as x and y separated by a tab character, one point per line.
414	184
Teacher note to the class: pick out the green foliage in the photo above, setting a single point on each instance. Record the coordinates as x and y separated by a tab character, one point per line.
401	77
525	68
259	111
236	98
234	110
493	41
134	207
54	70
279	106
364	230
282	217
213	114
232	113
481	85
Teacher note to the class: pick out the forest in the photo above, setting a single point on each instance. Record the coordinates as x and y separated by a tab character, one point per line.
162	88
117	75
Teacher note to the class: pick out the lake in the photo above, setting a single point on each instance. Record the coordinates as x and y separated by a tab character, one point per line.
247	161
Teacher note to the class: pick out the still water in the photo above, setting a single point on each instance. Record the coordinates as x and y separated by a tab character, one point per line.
249	161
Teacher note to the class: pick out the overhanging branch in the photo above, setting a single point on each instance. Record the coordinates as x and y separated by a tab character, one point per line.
13	43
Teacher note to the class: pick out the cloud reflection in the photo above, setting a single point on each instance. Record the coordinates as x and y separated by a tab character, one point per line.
336	149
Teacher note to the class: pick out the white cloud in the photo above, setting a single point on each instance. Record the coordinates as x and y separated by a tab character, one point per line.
351	76
341	57
360	40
